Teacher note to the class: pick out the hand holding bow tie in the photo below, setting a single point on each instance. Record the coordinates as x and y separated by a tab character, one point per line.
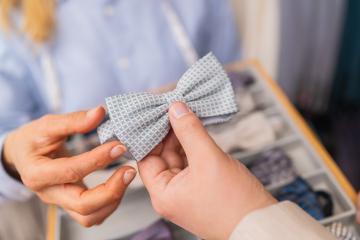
140	120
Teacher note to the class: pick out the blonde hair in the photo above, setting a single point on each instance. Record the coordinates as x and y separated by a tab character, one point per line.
38	17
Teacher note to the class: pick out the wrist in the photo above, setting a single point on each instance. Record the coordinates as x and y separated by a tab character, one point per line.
7	162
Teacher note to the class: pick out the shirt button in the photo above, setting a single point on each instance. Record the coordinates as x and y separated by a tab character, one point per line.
109	10
124	63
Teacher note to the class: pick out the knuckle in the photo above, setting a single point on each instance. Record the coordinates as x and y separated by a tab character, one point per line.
98	160
115	195
30	180
82	209
190	123
72	175
86	222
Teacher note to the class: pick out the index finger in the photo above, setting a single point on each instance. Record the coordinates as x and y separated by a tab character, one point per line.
63	125
71	169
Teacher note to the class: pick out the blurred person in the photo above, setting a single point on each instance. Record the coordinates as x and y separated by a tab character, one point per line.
194	184
60	56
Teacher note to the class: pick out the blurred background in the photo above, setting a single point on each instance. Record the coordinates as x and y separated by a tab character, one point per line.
312	49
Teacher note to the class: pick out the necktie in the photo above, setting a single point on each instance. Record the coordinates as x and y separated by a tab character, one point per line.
341	232
253	131
140	120
273	167
318	204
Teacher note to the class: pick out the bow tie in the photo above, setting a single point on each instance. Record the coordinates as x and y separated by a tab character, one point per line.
140	120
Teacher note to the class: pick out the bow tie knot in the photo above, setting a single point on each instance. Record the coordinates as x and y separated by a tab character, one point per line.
174	96
140	120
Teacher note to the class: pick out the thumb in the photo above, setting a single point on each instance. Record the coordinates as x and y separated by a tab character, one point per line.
192	135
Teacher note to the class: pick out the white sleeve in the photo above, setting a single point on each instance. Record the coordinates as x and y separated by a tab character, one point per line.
10	188
281	221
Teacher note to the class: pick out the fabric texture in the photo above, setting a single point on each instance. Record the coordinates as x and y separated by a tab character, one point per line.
310	34
158	230
282	221
247	133
341	232
273	167
140	120
259	28
318	204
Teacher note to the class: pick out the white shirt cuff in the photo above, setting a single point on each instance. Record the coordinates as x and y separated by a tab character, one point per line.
10	188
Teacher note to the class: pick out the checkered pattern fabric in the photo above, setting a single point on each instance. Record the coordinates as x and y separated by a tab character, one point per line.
140	120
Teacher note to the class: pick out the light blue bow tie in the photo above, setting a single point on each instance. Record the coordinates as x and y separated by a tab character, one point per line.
140	120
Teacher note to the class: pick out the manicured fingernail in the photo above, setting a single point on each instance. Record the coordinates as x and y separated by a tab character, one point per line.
117	151
179	109
92	112
129	175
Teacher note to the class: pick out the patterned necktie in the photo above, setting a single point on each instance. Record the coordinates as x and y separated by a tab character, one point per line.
273	167
318	204
140	120
341	232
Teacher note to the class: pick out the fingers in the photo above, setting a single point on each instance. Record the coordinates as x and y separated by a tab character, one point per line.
171	152
192	135
159	167
154	173
84	201
71	169
71	123
95	218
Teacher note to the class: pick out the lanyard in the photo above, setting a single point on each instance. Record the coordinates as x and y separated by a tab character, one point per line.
52	84
181	37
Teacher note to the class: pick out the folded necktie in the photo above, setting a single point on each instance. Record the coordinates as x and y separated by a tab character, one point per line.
273	167
341	232
253	131
140	120
318	204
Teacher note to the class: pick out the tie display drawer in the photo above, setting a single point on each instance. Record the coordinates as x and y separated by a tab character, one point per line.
270	137
309	159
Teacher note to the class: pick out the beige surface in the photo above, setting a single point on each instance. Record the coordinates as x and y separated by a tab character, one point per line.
23	221
281	221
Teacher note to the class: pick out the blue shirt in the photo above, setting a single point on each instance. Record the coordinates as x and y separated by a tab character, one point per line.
102	48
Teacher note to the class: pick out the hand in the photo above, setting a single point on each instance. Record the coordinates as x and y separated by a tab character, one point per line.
30	151
194	184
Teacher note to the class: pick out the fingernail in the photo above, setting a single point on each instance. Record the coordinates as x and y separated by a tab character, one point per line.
117	151
179	109
92	112
129	175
